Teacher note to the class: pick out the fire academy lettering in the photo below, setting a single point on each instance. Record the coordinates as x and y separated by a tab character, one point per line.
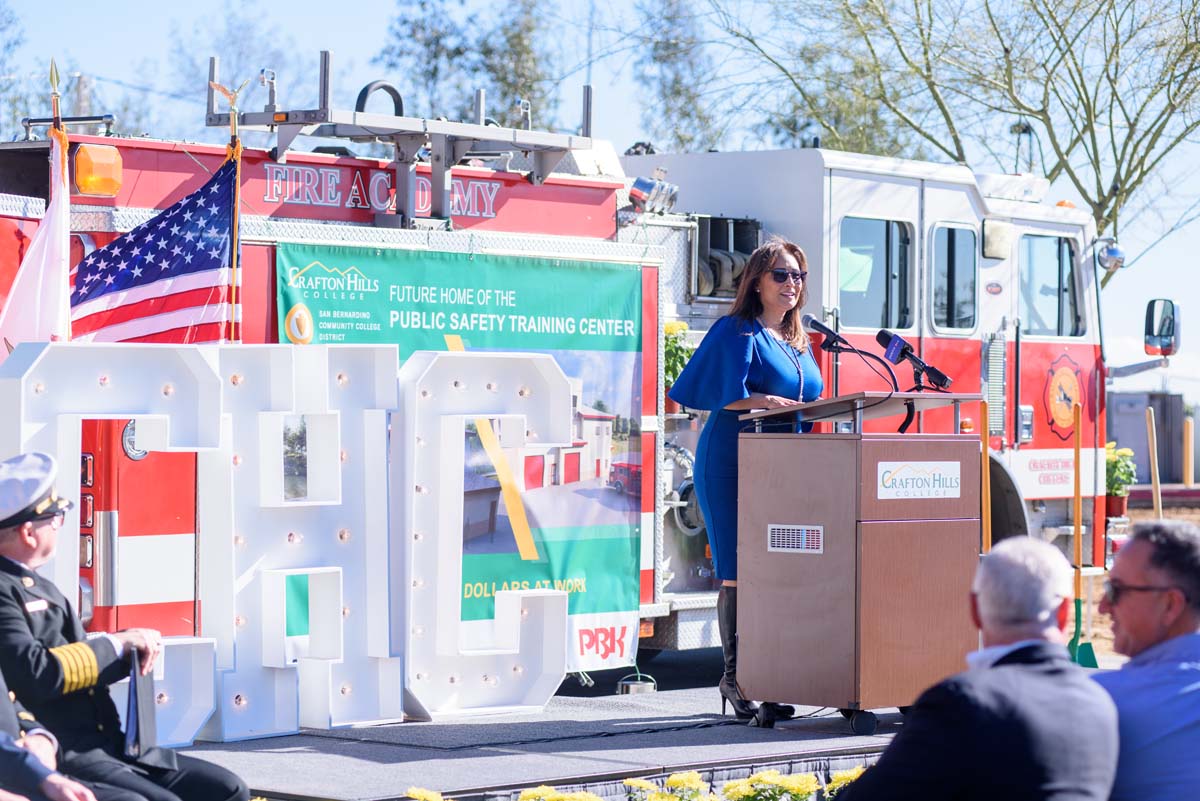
298	184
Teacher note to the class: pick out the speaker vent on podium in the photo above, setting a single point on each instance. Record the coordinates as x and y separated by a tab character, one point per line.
795	538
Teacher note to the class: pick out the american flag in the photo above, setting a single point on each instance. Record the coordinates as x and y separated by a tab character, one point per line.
167	280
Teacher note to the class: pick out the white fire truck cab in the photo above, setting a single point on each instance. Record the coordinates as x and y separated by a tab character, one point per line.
986	281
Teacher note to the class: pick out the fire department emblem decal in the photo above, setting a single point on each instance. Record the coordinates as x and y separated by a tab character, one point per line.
1063	381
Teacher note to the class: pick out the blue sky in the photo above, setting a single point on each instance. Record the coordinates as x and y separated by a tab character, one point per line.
113	39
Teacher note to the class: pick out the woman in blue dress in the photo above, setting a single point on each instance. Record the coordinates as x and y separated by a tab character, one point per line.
756	357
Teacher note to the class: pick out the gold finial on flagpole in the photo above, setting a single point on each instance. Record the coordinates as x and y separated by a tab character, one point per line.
54	95
232	97
234	152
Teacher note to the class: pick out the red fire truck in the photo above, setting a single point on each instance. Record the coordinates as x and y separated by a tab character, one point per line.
997	288
994	287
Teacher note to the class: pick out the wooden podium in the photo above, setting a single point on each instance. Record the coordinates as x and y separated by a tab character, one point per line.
855	556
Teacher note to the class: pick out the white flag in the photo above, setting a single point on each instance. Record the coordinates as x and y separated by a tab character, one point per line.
38	307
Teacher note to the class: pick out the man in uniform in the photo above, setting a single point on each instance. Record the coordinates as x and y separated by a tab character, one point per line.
28	755
61	675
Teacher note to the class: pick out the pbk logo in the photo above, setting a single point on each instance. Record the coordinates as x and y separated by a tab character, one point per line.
602	642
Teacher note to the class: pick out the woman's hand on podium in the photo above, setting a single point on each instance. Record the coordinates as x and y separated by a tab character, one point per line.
761	401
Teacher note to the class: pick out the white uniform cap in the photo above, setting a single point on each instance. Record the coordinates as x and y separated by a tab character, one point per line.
27	489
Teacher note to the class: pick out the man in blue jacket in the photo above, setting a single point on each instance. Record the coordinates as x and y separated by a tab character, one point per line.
28	758
1023	721
1153	596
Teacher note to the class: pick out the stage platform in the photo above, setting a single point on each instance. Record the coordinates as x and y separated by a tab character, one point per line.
585	739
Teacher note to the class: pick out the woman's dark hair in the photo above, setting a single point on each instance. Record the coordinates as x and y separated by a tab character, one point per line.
747	305
1175	549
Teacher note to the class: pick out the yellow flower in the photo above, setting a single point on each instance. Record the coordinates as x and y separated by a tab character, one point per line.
675	328
641	784
536	793
1125	452
659	795
421	794
800	785
765	777
576	796
840	778
686	781
737	789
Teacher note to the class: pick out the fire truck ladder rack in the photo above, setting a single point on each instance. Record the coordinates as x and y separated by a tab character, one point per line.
446	143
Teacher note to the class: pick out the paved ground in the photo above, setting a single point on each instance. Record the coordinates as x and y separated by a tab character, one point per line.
586	736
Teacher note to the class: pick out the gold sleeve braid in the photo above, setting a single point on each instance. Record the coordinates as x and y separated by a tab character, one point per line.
23	715
79	666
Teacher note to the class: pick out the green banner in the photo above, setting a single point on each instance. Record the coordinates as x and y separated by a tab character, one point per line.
579	564
332	294
588	316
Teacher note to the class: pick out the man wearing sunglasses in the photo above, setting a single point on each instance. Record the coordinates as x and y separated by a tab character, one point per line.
1153	597
62	675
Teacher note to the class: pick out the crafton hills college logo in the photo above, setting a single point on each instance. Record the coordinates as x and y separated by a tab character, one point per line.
1063	382
298	325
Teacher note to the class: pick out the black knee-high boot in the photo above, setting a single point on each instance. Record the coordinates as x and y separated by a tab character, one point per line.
743	708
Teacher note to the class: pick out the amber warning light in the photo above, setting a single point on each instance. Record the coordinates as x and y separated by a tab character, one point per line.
97	170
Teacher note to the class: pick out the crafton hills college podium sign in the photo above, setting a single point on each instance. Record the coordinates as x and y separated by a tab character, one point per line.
856	553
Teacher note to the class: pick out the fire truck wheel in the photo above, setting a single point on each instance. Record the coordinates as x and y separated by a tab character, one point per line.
619	486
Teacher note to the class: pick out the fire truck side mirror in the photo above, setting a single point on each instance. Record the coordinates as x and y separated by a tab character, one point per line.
1162	328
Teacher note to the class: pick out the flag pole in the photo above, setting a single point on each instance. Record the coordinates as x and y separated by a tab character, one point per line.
234	151
55	98
58	133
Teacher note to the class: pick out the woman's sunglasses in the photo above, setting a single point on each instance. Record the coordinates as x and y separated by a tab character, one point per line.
781	275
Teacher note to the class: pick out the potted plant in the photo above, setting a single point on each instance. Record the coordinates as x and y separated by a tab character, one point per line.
1120	471
675	355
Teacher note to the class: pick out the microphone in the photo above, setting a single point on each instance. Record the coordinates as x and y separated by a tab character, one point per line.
834	342
896	349
814	326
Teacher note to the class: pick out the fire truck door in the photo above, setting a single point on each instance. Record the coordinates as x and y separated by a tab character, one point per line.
1057	360
875	231
137	532
952	317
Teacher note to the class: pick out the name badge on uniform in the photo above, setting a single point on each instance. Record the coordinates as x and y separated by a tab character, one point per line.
40	605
